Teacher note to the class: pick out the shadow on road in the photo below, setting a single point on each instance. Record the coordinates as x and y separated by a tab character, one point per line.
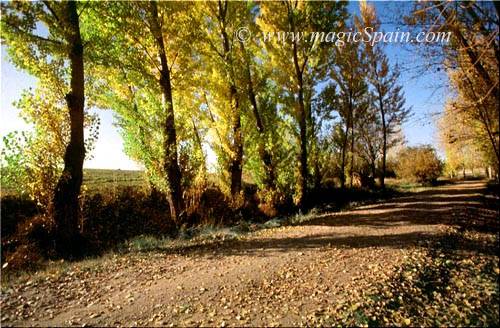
459	204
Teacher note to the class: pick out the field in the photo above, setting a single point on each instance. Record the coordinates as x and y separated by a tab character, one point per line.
96	180
99	180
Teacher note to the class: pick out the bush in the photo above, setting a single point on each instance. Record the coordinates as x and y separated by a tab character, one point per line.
419	164
16	210
109	219
31	242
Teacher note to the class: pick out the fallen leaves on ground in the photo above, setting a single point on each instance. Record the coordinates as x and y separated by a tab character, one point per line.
439	285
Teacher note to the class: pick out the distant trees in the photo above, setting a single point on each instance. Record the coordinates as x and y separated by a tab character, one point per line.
471	60
459	142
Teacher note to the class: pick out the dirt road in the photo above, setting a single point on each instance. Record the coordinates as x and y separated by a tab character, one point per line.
281	276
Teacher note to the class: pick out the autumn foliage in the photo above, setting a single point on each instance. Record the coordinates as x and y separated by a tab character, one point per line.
419	164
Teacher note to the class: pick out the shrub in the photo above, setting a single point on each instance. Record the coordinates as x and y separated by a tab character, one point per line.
419	164
109	219
31	242
16	209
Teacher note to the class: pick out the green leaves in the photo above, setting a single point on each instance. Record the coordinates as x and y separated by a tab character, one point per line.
32	161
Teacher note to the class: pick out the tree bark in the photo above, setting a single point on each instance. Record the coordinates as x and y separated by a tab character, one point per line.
171	165
264	154
373	169
301	116
314	151
302	181
236	165
342	162
236	160
384	141
66	207
351	168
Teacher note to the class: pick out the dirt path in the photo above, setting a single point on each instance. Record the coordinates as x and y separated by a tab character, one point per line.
283	276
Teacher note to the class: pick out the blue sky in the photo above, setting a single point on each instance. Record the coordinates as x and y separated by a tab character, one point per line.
425	93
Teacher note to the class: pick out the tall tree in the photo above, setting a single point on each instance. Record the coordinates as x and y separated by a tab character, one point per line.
143	74
384	81
370	140
295	57
223	59
171	165
346	95
49	56
252	82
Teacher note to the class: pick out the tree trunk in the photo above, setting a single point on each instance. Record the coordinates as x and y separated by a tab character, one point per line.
342	162
384	144
236	160
351	168
66	205
374	172
171	166
264	154
302	181
236	165
302	117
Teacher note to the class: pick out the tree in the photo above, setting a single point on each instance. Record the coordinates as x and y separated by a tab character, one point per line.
56	58
347	95
254	80
384	81
223	58
293	56
143	79
370	139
